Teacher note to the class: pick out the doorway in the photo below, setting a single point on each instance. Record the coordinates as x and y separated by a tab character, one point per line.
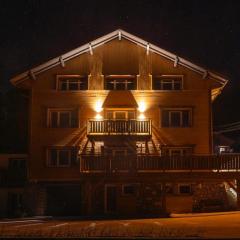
110	199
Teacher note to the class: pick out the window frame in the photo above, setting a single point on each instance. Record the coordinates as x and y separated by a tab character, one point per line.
68	78
58	149
114	111
134	185
170	79
177	110
170	149
124	78
70	111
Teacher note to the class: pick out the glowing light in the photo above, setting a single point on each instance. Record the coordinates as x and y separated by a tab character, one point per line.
98	106
141	116
142	106
98	117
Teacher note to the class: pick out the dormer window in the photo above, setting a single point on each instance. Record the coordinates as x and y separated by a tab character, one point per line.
168	82
72	82
120	82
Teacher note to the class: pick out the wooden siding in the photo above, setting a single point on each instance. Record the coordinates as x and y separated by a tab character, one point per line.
115	57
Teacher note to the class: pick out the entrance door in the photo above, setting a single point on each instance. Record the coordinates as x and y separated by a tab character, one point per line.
110	199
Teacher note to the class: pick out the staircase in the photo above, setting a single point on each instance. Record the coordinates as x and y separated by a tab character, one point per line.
231	193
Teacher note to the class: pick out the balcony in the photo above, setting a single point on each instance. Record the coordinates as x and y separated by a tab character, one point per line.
139	128
145	163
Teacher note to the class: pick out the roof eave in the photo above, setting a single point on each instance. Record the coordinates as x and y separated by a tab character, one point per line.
119	33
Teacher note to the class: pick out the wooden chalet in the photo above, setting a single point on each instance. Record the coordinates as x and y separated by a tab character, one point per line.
120	126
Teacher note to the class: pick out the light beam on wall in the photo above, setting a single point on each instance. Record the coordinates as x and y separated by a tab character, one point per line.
142	106
98	106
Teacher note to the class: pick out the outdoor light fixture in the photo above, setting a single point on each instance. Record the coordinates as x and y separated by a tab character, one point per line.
98	106
142	107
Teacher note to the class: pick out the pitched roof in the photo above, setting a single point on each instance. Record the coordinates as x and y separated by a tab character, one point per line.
121	99
119	33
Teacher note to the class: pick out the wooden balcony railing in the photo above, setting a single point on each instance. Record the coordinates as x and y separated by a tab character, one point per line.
119	127
152	163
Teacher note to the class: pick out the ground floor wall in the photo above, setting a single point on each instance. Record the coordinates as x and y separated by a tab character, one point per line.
125	198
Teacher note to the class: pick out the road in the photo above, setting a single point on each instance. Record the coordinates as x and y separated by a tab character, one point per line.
212	225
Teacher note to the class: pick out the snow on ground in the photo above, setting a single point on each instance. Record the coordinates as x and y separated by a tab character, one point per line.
207	225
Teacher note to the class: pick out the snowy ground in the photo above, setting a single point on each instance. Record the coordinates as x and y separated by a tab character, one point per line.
207	225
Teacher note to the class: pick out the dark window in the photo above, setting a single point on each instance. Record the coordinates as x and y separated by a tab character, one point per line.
15	163
63	119
185	118
129	190
63	157
53	157
72	83
176	118
60	157
131	115
120	83
184	189
167	83
54	119
165	118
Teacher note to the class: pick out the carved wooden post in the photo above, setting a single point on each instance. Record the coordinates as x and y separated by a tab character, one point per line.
95	80
144	77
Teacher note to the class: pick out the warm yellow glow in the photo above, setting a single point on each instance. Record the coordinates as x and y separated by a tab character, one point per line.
98	117
98	106
141	116
142	106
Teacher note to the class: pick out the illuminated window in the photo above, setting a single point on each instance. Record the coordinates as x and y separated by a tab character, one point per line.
61	157
120	82
168	83
62	118
72	82
176	118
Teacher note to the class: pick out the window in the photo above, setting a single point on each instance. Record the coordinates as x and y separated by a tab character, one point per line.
62	118
120	82
61	157
169	188
123	115
176	117
168	83
16	163
177	151
184	189
72	82
129	189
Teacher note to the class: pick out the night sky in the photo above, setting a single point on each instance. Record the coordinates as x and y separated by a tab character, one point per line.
205	32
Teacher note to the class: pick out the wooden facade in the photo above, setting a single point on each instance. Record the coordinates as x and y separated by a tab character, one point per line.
121	107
